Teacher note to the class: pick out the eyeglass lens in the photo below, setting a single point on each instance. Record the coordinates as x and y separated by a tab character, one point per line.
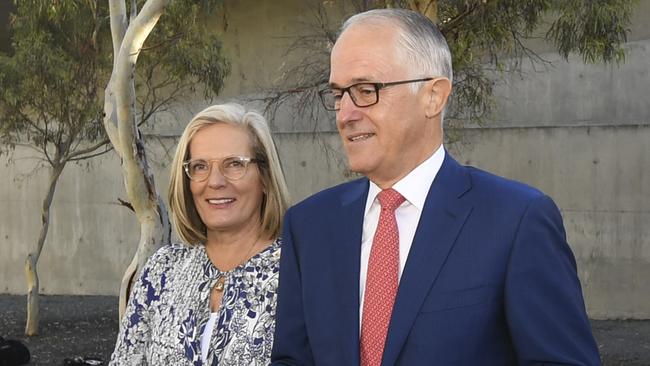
362	95
231	168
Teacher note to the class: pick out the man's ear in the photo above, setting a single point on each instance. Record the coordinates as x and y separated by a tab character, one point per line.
436	96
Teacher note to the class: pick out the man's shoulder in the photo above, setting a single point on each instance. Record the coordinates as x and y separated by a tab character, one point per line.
467	178
485	183
333	196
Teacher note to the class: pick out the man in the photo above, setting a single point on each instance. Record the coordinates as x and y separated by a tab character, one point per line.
424	261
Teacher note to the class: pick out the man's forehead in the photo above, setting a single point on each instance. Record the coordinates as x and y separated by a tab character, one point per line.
363	52
343	74
356	80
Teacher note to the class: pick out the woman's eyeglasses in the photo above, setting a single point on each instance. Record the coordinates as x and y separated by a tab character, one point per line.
231	167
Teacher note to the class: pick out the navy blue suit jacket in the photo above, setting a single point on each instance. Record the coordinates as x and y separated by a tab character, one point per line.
489	280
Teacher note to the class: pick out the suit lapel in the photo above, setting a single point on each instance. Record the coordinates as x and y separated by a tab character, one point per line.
442	219
348	257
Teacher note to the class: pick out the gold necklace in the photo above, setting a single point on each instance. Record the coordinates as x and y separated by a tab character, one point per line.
221	282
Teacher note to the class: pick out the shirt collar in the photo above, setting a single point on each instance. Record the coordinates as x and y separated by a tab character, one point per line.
414	187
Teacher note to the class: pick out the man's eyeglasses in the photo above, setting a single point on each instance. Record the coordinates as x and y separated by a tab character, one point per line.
232	167
362	94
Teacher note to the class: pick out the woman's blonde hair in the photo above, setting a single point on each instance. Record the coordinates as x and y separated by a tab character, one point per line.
185	217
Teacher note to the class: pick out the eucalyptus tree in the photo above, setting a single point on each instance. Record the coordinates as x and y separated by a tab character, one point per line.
49	90
53	99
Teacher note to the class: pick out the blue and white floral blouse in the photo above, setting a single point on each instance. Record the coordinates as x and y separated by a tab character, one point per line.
170	306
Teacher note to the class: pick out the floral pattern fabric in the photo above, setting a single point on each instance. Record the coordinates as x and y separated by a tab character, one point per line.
170	306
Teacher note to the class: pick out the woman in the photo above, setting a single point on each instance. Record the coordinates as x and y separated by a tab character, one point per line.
211	300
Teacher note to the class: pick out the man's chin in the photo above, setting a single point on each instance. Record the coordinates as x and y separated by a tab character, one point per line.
357	167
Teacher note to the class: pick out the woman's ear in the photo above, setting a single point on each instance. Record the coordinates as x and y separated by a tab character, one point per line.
436	96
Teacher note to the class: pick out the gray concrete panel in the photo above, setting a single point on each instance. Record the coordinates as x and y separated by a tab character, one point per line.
90	238
572	93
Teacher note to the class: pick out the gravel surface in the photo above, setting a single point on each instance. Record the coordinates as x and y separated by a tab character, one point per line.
74	326
70	326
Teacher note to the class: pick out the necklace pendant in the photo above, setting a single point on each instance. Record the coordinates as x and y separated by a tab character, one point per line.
219	286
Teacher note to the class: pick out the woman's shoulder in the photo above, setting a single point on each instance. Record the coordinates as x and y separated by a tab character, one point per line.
269	258
170	255
274	249
276	245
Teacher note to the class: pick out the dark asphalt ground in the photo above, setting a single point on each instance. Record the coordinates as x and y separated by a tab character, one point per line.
73	326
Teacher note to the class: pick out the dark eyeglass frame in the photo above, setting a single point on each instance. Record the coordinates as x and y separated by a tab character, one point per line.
242	159
378	86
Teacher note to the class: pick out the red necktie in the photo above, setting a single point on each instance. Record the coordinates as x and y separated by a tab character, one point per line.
381	280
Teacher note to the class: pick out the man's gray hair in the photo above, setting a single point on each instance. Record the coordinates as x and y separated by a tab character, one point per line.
420	41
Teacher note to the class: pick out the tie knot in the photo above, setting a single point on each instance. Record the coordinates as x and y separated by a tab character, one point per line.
390	199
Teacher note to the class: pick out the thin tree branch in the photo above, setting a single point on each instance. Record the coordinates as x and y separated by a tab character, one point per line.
76	154
171	39
451	24
85	157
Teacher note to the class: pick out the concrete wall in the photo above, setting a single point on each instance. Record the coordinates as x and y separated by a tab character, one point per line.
90	239
580	133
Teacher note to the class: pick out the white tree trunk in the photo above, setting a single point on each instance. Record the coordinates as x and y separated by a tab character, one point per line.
31	262
121	126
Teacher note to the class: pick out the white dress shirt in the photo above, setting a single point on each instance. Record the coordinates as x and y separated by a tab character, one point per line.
414	187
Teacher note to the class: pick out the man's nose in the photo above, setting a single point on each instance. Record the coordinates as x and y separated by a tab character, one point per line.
348	111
